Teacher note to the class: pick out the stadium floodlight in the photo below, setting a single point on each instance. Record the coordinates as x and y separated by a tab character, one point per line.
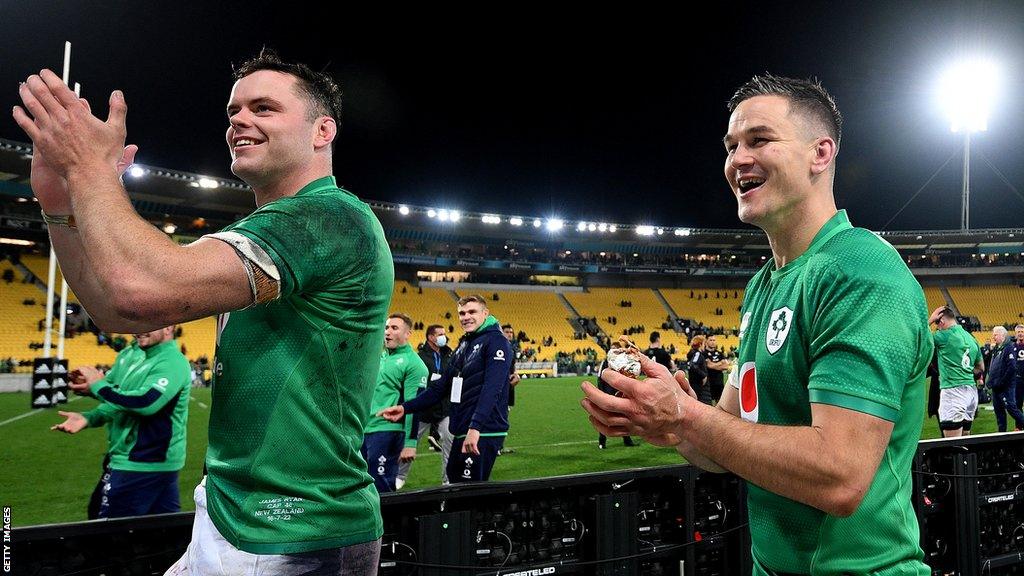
661	231
967	91
210	183
515	221
490	219
454	215
612	228
682	232
554	224
432	213
581	226
591	226
442	215
170	228
403	210
536	222
645	230
136	171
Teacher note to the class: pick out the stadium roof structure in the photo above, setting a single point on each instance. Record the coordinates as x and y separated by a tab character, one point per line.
163	193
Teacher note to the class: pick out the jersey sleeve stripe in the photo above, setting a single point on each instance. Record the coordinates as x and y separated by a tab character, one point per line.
853	403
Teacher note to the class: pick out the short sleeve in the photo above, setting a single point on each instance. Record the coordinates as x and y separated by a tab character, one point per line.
864	343
305	241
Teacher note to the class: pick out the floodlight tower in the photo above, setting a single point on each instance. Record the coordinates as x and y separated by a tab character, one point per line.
967	90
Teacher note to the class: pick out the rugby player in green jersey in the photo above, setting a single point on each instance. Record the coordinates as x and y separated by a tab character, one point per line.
302	286
825	414
960	373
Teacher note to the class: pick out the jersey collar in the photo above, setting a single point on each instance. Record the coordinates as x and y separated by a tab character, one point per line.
318	184
400	350
154	350
836	224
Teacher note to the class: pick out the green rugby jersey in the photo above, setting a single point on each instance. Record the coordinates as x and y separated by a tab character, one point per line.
845	324
293	378
401	375
144	403
958	354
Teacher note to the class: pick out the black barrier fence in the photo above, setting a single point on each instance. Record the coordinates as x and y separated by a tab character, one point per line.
673	520
969	497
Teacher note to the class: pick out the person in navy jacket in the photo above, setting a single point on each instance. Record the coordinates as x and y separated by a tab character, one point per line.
476	381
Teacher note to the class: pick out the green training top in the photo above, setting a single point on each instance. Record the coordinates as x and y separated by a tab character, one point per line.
844	324
958	354
401	375
144	400
293	378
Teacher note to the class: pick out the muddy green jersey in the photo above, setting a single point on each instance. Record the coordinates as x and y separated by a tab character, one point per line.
845	324
293	378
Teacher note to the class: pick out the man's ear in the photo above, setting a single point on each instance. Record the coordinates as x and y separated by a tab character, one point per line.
825	150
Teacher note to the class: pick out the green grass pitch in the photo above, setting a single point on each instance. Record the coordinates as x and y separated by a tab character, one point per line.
46	477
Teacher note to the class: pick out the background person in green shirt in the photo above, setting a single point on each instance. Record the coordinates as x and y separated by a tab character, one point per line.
301	286
401	374
960	373
826	413
144	403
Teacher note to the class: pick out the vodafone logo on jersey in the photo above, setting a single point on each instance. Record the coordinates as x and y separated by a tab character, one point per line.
748	392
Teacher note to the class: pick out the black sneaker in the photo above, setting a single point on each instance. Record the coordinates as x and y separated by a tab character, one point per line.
434	444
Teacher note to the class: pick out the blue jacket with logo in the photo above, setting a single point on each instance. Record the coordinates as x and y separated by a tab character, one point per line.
482	360
1012	365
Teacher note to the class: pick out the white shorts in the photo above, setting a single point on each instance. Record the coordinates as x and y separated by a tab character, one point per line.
209	554
958	404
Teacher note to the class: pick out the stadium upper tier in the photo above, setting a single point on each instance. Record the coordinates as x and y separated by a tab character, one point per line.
993	305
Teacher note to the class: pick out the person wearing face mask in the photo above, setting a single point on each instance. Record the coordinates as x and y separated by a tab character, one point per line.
435	353
476	382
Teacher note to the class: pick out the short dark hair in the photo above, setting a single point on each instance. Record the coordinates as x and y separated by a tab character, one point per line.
321	92
473	298
402	317
503	326
432	327
806	96
946	312
655	336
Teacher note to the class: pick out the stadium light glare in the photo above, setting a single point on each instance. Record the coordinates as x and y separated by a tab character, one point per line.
515	221
442	215
403	210
491	219
431	213
645	230
661	231
591	226
22	199
682	232
603	254
536	222
612	228
554	224
602	227
967	91
455	215
581	226
136	171
170	228
208	183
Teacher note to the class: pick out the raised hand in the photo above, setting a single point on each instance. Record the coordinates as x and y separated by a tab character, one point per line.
62	127
653	408
73	423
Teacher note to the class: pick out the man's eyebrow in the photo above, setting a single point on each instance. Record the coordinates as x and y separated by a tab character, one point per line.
261	100
755	130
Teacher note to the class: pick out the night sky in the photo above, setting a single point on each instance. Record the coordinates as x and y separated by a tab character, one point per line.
519	108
